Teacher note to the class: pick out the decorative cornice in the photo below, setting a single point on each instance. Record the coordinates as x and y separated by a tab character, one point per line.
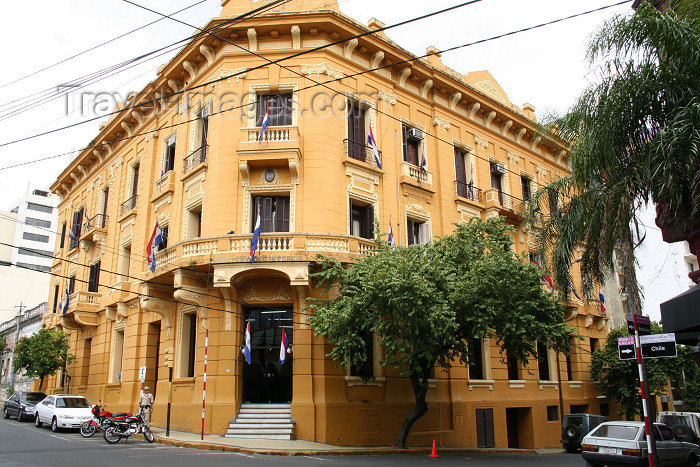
390	98
441	123
479	141
321	68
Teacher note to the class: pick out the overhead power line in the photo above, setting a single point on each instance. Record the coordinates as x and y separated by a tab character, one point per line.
48	67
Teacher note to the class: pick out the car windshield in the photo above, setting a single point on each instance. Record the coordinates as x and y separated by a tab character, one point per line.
616	432
33	397
72	402
671	420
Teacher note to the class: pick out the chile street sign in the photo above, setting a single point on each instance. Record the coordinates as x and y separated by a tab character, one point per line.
625	347
658	345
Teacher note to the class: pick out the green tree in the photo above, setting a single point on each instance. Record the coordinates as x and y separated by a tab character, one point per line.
43	353
426	303
635	139
620	378
3	343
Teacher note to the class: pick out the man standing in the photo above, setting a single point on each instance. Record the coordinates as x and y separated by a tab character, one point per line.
146	404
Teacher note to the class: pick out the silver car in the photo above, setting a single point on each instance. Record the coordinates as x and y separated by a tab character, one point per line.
624	443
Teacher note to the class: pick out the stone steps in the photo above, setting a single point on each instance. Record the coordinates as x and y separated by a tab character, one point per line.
262	421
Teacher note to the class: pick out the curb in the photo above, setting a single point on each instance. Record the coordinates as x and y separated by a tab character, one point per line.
335	452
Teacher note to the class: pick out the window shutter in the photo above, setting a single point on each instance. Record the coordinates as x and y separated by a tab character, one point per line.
411	236
460	171
260	109
282	214
404	139
265	214
424	233
135	185
368	222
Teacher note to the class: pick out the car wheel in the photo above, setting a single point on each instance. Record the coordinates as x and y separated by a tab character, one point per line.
5	413
110	436
572	449
692	460
37	422
54	425
571	432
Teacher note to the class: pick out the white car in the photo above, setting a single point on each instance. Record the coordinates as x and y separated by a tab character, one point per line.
63	411
624	443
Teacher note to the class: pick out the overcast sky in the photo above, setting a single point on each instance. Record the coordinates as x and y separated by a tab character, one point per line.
544	67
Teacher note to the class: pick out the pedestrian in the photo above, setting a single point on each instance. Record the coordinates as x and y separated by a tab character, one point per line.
146	404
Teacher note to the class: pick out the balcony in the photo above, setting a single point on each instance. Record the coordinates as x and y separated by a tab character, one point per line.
195	160
272	247
95	226
127	208
361	152
281	143
413	175
506	205
83	310
163	186
468	191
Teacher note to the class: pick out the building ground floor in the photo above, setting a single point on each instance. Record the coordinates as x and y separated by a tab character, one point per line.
171	330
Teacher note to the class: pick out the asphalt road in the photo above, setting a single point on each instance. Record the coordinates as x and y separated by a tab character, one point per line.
22	444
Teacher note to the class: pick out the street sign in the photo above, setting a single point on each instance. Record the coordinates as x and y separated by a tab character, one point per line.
643	324
142	374
658	345
625	347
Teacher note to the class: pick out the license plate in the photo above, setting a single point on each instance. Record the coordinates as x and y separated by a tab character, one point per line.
604	450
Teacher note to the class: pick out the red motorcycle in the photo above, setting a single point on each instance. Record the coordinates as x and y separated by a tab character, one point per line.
99	415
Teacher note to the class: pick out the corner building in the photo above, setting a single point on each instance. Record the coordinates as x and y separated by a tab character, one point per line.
193	159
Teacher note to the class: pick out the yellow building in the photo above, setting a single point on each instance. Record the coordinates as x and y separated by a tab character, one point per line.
189	153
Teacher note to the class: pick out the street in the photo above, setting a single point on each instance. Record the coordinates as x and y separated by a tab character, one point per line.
22	444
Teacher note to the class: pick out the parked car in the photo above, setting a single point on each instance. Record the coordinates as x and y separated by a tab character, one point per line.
624	443
686	425
21	404
577	425
63	411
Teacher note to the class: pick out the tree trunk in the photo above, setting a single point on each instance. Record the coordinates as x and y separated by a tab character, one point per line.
629	285
420	387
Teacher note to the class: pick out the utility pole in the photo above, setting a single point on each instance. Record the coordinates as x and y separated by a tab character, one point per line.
12	369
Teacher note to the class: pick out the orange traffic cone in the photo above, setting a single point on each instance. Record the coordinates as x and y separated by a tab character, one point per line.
434	452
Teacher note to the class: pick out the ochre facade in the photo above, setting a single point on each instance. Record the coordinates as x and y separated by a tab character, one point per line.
186	152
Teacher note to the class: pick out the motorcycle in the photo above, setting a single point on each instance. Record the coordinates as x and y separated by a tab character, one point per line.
99	415
115	429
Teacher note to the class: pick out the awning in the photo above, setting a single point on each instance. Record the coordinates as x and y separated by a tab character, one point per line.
681	315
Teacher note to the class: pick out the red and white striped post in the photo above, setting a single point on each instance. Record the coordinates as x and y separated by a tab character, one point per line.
642	382
204	388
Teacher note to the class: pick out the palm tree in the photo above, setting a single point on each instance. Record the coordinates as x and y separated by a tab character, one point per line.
635	139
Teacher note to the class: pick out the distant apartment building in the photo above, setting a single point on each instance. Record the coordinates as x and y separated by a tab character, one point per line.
27	239
35	232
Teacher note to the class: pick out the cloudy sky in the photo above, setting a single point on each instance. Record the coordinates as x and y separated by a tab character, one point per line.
544	67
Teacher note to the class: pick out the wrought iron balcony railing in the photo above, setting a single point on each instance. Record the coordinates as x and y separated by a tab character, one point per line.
197	157
361	152
469	191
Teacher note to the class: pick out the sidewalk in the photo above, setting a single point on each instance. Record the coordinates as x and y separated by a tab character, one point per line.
298	447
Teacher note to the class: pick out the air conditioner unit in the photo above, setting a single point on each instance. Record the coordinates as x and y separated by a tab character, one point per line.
119	377
498	169
415	133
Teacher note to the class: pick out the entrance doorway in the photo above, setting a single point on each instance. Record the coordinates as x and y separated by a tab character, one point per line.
266	380
519	428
